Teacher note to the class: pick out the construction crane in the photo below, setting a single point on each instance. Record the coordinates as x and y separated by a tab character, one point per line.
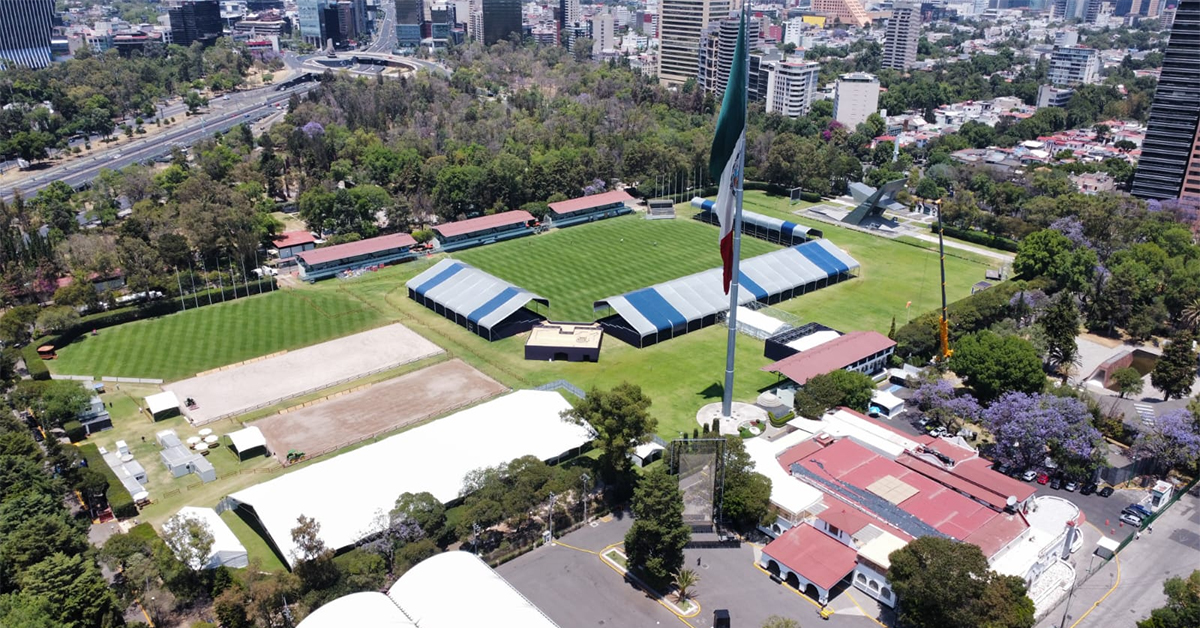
944	324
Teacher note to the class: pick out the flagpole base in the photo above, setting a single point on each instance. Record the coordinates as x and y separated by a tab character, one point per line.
742	414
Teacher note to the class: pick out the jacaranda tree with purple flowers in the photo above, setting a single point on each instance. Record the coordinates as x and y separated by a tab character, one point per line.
1028	428
1174	441
937	401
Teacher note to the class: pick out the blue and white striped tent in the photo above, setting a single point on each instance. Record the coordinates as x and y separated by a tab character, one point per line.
650	315
761	226
484	304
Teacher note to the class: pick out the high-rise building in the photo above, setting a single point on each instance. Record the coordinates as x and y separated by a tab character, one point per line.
25	27
410	15
475	26
849	12
855	98
718	42
680	24
568	14
195	20
791	87
501	20
1073	65
310	14
903	31
793	31
602	33
1170	163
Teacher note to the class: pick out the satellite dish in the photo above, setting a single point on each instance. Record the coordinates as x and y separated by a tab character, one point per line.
1012	501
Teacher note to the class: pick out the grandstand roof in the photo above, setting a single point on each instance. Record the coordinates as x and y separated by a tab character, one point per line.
785	227
344	493
354	249
480	298
482	223
293	238
588	202
676	303
832	355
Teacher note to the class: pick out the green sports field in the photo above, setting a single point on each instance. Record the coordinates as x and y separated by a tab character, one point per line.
180	345
575	266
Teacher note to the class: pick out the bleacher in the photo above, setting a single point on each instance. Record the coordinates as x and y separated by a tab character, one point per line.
762	227
328	262
660	209
464	234
589	208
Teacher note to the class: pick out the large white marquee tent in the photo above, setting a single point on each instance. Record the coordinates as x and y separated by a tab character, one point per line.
344	494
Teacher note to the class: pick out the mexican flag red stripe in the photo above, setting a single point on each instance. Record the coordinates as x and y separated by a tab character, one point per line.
728	148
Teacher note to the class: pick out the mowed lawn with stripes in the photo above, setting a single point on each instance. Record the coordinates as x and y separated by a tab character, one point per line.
183	344
578	265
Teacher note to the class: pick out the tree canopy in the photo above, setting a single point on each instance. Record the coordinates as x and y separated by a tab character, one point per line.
991	365
621	419
830	390
654	544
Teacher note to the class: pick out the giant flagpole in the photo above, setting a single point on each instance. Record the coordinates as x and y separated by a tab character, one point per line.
731	346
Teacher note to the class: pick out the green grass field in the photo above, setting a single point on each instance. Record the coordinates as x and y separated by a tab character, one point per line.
575	266
180	345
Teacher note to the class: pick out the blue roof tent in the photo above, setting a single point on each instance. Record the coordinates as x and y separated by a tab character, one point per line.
484	304
650	315
763	227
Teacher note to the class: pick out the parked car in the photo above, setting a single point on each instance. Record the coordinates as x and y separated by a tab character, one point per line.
1107	491
1132	520
1029	475
1043	478
1056	483
1088	488
1072	486
1140	510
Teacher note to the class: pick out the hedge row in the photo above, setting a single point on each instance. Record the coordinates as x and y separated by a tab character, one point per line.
780	421
112	318
33	362
979	237
119	499
75	431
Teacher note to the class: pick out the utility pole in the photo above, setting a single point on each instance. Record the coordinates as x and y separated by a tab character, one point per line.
552	498
586	480
475	537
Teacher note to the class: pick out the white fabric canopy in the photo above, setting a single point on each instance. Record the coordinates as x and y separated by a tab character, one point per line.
344	493
226	548
162	402
247	438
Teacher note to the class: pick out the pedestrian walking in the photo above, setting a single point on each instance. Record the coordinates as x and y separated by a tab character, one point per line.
1138	535
1150	529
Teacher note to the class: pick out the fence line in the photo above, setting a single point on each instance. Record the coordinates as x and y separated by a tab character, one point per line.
106	378
562	384
242	363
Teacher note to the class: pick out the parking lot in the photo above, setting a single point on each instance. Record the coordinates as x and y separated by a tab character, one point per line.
574	587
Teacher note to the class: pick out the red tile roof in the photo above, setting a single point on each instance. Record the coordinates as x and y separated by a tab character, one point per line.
845	518
831	356
482	223
979	471
588	202
813	555
797	453
293	238
354	249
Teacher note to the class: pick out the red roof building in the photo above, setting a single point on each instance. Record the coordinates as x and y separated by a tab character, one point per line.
863	351
372	252
811	555
595	201
483	224
293	238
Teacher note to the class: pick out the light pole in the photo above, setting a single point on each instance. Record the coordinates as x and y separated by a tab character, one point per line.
475	537
586	479
552	498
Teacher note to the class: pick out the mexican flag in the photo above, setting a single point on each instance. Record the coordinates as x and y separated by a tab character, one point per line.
728	149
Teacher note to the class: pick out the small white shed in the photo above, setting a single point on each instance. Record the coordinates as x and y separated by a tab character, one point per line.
163	405
167	438
226	548
178	460
887	404
203	468
248	442
647	453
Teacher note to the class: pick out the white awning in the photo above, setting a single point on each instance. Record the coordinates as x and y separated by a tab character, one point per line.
247	439
162	402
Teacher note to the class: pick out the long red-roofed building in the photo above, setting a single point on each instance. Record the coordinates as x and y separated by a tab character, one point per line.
373	252
463	234
862	351
590	208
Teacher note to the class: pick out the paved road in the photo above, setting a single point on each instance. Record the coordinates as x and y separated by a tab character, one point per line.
1173	549
221	115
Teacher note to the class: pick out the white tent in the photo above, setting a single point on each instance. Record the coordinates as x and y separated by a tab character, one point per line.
164	405
246	440
344	493
426	596
888	404
226	548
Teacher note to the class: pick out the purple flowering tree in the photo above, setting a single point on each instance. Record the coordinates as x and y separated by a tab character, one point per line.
1072	227
313	129
936	400
1173	442
1028	428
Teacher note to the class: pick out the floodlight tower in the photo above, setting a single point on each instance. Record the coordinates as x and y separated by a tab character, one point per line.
944	325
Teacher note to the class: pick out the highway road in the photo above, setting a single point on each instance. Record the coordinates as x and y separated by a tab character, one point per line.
222	114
